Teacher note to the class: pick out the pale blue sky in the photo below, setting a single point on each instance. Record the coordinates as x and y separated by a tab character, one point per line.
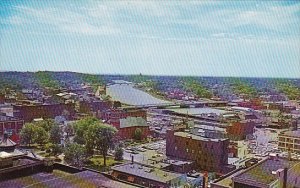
220	38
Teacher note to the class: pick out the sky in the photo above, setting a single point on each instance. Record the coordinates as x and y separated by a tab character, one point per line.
199	38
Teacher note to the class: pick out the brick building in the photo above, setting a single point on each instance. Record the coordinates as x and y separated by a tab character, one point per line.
12	126
239	130
2	98
270	173
94	106
113	116
153	177
127	121
33	111
289	140
209	154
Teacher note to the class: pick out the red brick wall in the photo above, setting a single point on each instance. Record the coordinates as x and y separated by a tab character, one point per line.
128	132
15	126
28	113
208	155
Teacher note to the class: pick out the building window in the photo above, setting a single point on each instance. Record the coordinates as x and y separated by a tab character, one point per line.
187	150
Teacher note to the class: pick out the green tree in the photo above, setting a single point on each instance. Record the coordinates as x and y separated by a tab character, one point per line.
40	135
104	138
137	134
82	125
119	154
75	154
27	134
45	124
192	85
55	134
56	149
90	138
69	129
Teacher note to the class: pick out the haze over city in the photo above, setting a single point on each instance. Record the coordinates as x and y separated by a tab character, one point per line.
220	38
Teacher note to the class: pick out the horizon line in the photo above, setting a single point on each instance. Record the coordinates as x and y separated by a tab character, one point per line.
131	74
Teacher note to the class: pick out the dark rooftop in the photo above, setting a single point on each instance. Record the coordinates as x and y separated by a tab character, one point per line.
60	178
264	172
146	172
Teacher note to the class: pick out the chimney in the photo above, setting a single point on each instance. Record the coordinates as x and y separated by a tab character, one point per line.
285	177
132	157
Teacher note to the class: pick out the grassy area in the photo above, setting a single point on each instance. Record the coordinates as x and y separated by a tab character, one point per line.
97	163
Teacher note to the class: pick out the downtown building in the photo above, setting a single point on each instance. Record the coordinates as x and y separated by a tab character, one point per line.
127	121
289	141
209	154
29	112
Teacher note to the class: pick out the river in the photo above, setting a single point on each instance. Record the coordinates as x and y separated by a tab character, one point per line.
126	93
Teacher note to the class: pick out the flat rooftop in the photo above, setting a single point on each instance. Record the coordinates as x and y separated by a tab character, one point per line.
262	172
198	111
291	133
146	172
60	178
227	181
196	137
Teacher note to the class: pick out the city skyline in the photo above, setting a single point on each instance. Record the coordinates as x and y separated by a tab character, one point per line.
238	39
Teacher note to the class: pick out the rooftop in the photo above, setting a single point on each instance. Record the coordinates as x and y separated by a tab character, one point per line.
198	111
63	179
226	181
292	133
146	172
263	173
196	137
6	142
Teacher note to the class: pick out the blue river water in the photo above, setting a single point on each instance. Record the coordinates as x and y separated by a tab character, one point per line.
126	93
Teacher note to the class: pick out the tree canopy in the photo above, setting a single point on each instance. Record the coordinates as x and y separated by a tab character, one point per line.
75	154
191	84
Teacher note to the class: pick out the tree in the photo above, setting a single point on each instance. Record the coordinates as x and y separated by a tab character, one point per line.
90	139
118	154
46	124
40	136
55	134
56	149
69	130
27	134
75	154
104	138
137	134
81	126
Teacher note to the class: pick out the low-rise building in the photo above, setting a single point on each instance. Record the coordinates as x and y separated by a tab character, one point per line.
270	173
96	106
32	111
152	177
12	126
127	121
289	141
